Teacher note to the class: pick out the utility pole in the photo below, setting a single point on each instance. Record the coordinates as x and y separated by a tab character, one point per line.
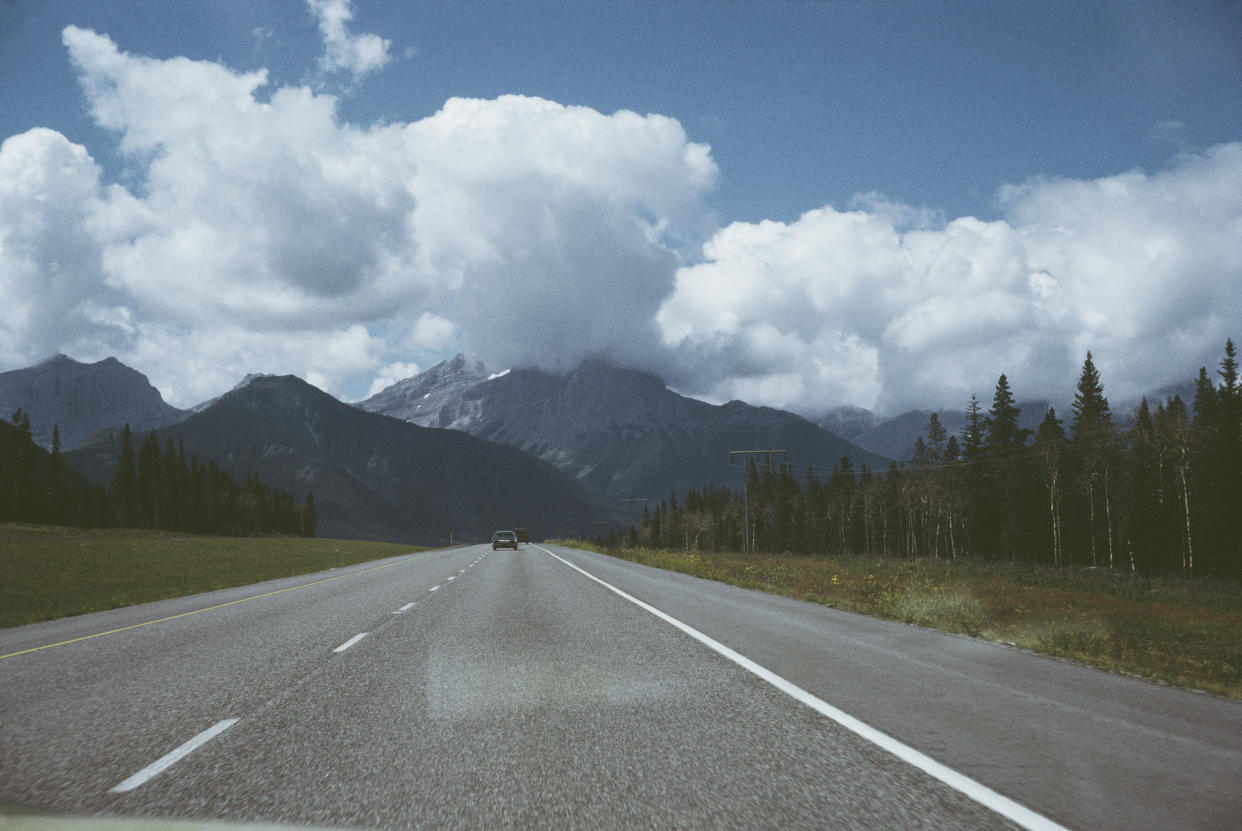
630	501
746	454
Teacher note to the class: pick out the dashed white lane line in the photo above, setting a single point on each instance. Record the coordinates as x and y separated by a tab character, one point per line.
961	783
434	589
452	577
350	642
168	760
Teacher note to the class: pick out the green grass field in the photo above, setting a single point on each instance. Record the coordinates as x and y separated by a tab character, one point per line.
52	572
1182	632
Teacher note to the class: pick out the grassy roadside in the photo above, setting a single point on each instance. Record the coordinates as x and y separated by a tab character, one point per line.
50	572
1182	632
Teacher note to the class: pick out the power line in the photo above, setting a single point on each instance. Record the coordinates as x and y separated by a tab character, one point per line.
746	454
631	501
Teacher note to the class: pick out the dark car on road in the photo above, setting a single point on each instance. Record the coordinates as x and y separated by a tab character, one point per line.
504	539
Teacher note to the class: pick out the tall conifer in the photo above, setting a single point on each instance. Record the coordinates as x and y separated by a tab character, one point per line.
1094	447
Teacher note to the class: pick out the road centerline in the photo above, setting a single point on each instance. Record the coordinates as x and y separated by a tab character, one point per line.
997	802
169	759
350	642
200	611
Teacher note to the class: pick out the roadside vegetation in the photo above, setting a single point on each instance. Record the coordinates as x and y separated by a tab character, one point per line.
1168	628
48	572
1111	542
1152	495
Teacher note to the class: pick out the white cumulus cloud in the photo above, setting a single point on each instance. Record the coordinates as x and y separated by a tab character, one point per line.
50	253
882	308
519	229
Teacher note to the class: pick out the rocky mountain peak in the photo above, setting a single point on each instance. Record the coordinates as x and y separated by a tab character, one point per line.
82	399
431	398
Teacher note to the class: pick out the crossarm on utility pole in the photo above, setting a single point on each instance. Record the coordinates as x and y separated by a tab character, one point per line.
746	454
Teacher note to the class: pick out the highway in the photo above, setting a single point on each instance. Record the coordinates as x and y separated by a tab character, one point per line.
560	688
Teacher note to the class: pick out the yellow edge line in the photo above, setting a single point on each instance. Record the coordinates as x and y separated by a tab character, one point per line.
197	611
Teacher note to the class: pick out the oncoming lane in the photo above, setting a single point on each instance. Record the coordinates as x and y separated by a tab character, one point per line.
110	693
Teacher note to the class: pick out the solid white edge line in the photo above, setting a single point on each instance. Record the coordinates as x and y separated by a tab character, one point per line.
168	760
960	782
350	642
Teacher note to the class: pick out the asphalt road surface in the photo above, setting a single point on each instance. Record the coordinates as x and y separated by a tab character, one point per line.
558	688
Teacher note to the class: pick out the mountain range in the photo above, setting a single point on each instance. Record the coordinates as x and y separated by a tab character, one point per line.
895	437
457	447
373	477
620	432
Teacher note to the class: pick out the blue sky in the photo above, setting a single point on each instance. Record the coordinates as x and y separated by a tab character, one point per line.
878	218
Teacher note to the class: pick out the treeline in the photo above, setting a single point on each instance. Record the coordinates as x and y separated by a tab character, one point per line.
153	487
1160	493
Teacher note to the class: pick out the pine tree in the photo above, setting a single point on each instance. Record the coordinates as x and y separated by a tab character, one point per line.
170	488
1003	436
1150	514
124	494
1229	462
20	480
936	437
310	520
1229	372
148	482
57	496
1049	450
1005	454
1094	448
892	534
1206	473
974	478
1177	444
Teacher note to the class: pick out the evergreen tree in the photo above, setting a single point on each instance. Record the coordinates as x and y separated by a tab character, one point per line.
936	438
1049	451
58	509
148	483
170	507
310	521
1094	447
974	478
19	476
124	492
892	524
1228	554
1148	515
1004	453
1177	447
1003	436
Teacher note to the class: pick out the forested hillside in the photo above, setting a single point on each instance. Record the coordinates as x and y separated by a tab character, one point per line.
1156	492
152	488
